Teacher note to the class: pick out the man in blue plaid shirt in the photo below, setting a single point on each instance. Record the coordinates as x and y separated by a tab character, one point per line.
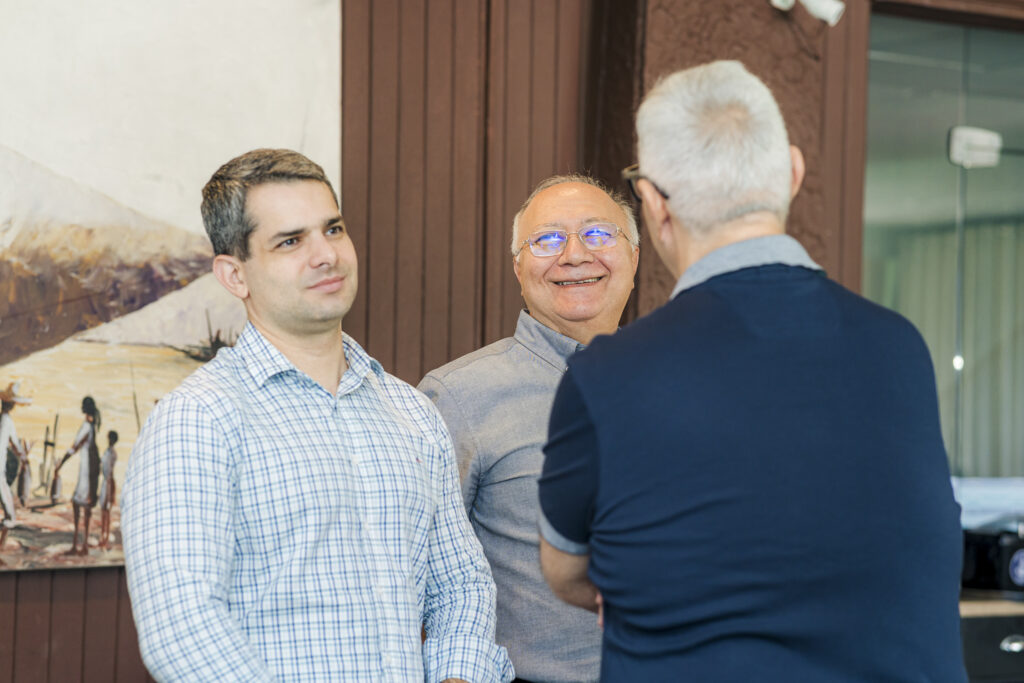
292	511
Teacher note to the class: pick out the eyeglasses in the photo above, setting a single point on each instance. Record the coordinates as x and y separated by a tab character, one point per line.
552	242
631	174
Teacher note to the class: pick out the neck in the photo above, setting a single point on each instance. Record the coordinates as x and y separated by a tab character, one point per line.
320	355
583	332
693	248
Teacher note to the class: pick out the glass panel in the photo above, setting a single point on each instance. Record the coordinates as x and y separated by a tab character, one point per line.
943	245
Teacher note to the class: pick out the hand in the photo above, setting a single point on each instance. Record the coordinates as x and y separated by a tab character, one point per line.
600	610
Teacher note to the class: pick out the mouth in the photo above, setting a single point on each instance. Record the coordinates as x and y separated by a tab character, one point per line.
579	283
328	285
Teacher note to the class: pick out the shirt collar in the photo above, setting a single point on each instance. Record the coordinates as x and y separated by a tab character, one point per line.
552	346
759	251
264	360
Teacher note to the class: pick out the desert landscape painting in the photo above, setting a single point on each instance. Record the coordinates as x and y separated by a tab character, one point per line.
106	296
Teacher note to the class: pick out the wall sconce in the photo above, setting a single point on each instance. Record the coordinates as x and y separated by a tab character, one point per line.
828	11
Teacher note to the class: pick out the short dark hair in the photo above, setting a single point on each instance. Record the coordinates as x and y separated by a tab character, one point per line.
112	437
224	195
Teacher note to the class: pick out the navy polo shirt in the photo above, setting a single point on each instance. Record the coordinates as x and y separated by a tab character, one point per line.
757	473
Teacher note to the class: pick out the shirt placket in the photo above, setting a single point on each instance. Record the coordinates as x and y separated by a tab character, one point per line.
387	625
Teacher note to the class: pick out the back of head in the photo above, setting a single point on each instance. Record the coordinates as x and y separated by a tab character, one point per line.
712	137
224	195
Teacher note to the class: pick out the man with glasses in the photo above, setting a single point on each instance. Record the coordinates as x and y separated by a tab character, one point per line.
575	252
752	476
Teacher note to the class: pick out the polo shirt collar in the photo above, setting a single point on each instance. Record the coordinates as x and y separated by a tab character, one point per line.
550	345
759	251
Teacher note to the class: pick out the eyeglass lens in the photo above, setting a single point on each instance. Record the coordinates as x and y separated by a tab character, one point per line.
552	242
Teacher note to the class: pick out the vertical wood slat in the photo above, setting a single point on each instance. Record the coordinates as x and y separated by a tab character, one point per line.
355	154
67	625
516	170
8	598
467	178
543	73
100	641
854	151
32	627
382	215
411	229
438	182
130	668
496	255
571	78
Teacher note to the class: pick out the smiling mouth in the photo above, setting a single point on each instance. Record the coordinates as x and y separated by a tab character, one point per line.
574	283
329	285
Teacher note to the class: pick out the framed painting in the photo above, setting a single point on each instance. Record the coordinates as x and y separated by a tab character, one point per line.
115	113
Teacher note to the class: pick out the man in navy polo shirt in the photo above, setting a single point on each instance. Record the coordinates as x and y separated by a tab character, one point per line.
752	478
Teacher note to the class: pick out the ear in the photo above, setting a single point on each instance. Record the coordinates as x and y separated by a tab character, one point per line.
799	169
230	273
655	211
515	267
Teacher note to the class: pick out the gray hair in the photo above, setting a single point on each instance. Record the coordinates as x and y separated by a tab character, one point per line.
712	137
620	200
224	195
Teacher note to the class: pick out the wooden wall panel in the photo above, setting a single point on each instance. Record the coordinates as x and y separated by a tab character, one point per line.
67	625
32	627
411	190
129	660
467	187
536	80
452	111
8	602
99	645
355	146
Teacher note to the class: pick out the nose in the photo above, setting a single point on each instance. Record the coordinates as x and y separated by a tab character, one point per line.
575	251
322	251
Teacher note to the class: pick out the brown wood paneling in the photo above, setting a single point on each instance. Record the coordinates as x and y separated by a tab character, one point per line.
516	171
355	144
32	627
572	43
100	641
467	178
130	668
496	238
67	625
382	217
411	201
1003	12
613	89
438	182
8	601
543	75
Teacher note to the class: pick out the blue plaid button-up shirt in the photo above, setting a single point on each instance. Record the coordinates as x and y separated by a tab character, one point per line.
273	531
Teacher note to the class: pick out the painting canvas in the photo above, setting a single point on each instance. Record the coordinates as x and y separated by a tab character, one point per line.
114	115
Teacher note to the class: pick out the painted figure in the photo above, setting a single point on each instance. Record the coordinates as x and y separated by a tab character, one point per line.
108	491
9	399
84	497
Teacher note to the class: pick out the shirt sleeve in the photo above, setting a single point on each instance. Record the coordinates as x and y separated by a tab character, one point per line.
459	612
568	483
467	450
177	520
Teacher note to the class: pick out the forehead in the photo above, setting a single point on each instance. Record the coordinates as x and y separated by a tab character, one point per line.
292	203
569	204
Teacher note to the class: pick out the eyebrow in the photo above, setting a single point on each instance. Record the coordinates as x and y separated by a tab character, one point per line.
298	232
586	221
